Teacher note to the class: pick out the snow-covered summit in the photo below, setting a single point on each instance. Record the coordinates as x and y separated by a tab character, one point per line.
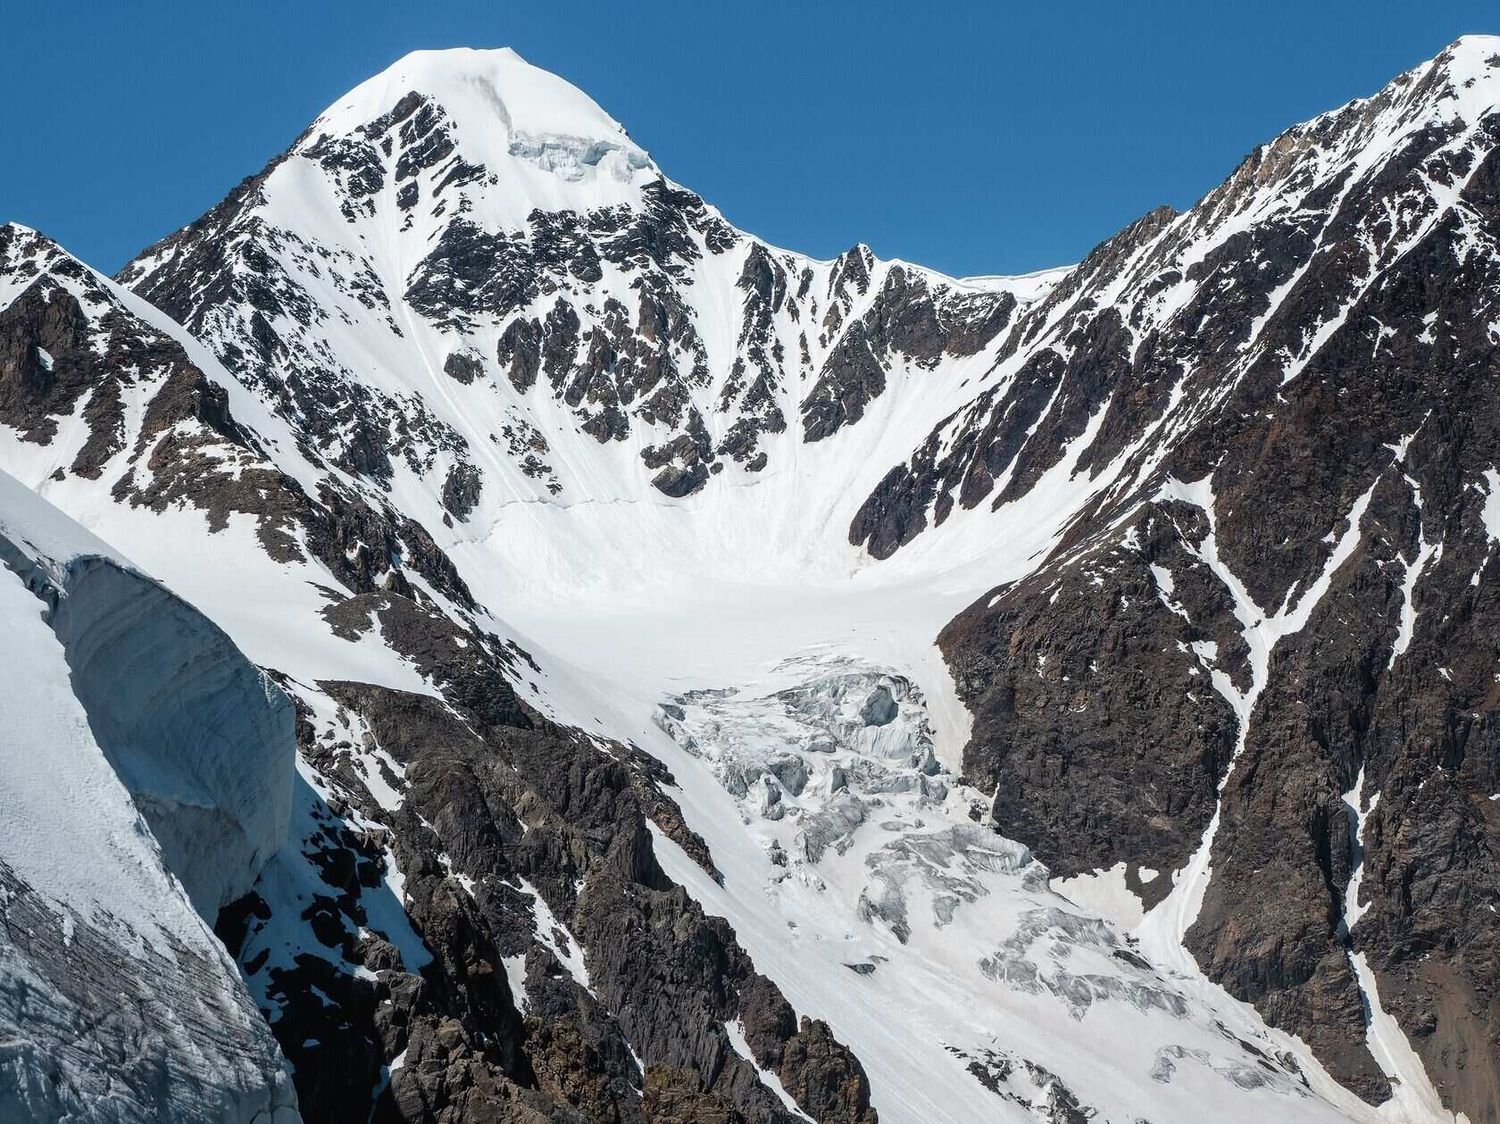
476	286
500	110
1471	62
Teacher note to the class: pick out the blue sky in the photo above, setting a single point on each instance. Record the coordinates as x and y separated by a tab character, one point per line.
975	138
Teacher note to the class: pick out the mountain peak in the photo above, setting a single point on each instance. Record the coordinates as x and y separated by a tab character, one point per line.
1475	46
500	108
1471	65
27	254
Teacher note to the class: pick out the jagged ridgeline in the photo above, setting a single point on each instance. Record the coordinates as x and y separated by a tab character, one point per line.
599	666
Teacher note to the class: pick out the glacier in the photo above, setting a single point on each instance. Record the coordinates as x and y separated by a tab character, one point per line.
117	1001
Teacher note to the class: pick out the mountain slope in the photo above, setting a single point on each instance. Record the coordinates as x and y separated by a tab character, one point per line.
603	548
1293	601
416	945
465	257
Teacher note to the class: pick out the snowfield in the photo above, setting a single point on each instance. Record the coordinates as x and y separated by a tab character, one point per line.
930	945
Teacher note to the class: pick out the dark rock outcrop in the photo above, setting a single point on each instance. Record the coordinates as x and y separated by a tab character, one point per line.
1333	380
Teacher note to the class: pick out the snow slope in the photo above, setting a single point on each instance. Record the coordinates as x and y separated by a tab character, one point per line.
981	987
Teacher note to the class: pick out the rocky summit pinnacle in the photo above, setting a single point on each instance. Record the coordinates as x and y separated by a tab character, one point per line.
621	670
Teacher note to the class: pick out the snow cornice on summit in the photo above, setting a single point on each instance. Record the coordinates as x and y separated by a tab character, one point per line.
501	109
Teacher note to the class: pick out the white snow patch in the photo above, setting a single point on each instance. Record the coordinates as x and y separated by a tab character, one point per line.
515	975
736	1033
556	936
1491	510
1414	1099
1104	892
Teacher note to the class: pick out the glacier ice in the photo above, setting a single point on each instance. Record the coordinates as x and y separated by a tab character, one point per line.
203	741
117	1002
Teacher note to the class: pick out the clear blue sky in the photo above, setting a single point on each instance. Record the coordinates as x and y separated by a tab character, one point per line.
975	138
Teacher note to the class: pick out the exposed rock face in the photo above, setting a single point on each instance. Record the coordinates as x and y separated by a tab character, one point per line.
526	872
1310	346
1051	664
909	317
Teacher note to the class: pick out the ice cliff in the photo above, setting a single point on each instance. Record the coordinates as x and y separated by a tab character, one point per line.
147	767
